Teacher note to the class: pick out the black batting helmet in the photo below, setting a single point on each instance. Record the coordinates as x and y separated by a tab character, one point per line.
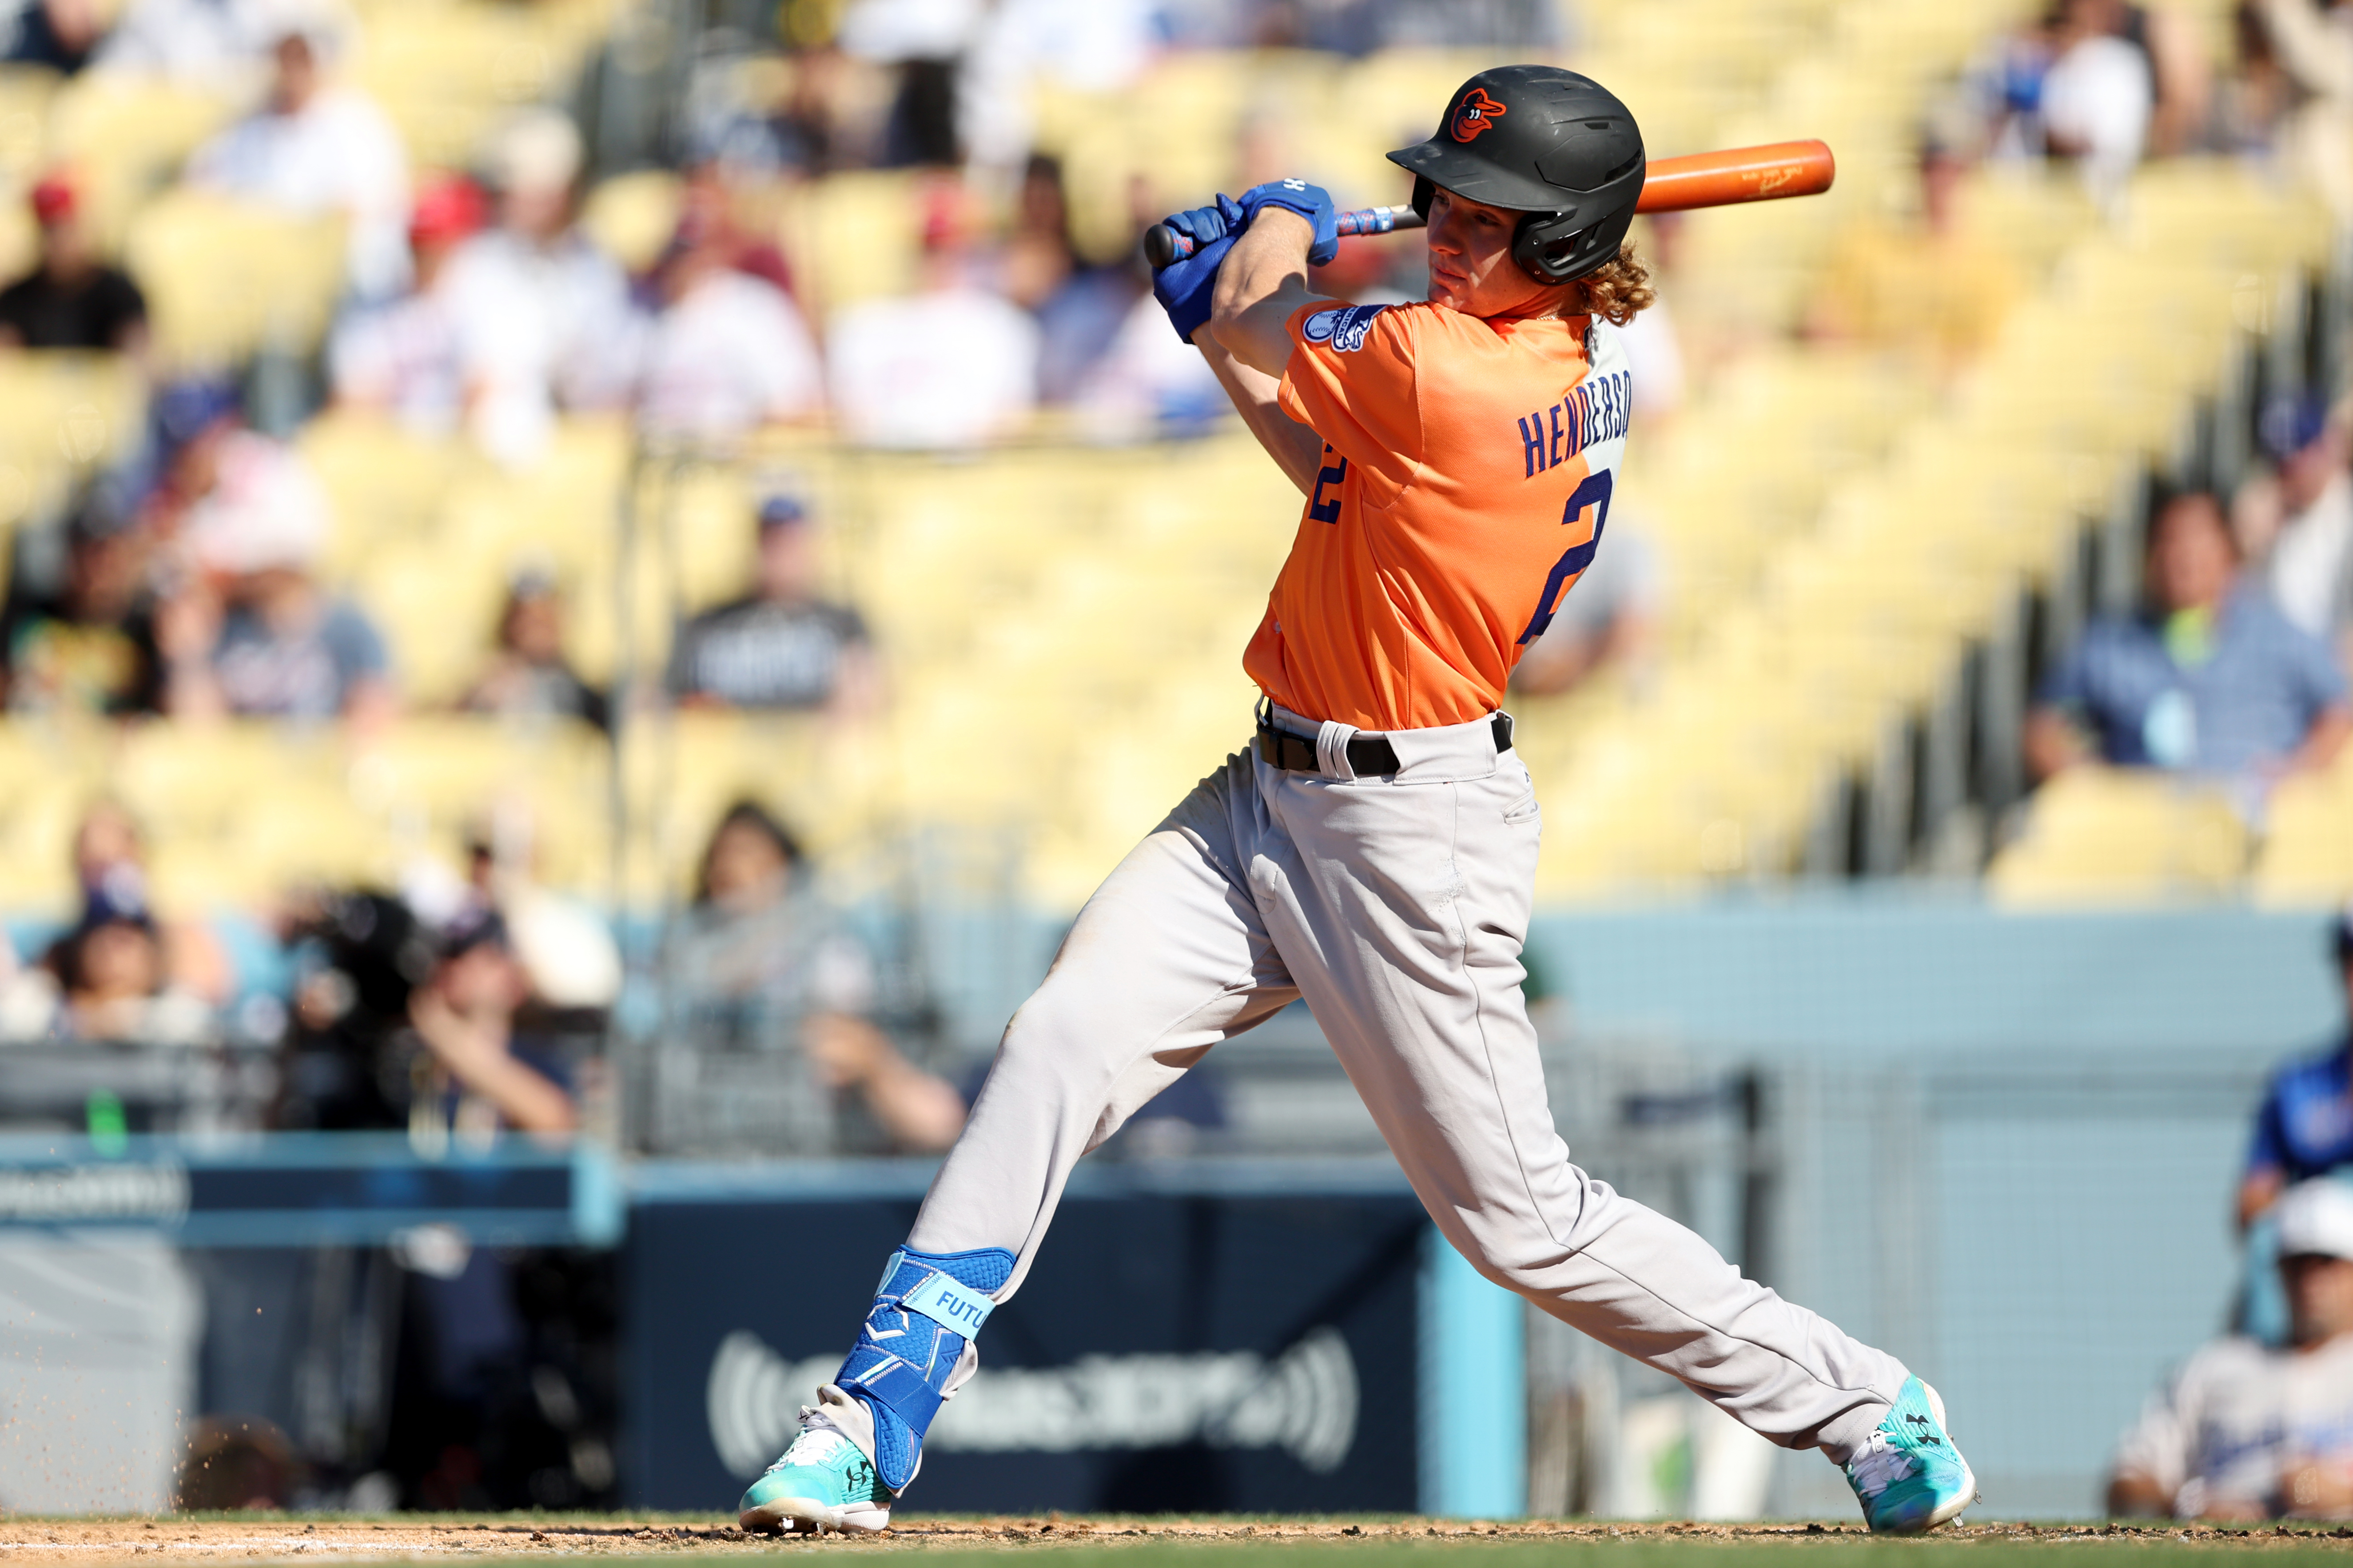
1545	141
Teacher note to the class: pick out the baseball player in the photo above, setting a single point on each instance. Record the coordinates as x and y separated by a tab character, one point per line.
1375	850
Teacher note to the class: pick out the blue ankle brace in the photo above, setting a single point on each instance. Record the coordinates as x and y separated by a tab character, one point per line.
928	1308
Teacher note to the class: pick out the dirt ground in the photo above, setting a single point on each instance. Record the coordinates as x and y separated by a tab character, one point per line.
288	1538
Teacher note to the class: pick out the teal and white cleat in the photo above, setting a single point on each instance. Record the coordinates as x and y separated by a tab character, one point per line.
827	1480
1909	1477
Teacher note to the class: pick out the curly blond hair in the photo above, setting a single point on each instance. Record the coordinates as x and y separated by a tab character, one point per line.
1615	291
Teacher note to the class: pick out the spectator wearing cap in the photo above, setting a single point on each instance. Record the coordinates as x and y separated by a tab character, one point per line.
2207	678
2246	1430
544	318
248	630
2305	1126
314	148
2305	537
72	299
118	973
528	677
475	1075
952	365
407	358
729	351
781	646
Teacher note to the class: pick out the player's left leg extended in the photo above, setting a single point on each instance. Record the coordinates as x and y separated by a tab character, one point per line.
1167	959
1400	908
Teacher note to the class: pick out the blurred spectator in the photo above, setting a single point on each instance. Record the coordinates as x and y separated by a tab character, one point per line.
1653	338
2246	1431
781	646
2076	88
2208	679
729	353
110	863
1079	308
407	357
566	948
107	978
2313	46
2303	528
215	476
922	41
72	299
2098	96
759	967
357	957
1095	48
90	646
475	1070
1608	621
250	632
2254	101
213	46
2305	1126
2180	72
1149	383
114	985
529	677
543	317
315	149
1931	289
58	34
950	365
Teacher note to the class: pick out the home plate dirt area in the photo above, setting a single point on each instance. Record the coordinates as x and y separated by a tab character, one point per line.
284	1537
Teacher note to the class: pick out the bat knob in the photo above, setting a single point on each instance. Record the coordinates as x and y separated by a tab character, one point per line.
1164	246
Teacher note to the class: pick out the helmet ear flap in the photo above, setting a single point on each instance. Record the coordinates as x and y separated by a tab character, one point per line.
1424	191
1547	245
1556	248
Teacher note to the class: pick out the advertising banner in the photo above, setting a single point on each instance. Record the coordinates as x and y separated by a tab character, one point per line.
1172	1351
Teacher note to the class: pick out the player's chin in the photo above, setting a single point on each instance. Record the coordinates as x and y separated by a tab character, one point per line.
1451	293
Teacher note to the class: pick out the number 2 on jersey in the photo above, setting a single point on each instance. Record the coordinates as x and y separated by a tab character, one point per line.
1319	509
1594	492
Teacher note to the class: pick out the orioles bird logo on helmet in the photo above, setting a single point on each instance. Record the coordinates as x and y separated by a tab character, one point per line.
1478	112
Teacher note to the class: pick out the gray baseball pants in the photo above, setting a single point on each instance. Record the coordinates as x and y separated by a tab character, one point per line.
1396	906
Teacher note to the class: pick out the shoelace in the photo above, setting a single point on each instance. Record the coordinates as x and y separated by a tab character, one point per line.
815	1444
1879	1466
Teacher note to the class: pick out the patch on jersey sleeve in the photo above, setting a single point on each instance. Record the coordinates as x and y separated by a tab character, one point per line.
1343	327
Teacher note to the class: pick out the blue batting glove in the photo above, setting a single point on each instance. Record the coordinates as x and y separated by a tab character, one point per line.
1216	221
1312	203
1185	288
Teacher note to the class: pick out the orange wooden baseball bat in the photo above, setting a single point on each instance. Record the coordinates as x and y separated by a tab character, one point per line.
1718	179
1737	174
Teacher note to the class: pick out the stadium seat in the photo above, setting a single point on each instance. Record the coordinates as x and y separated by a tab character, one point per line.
226	278
2096	836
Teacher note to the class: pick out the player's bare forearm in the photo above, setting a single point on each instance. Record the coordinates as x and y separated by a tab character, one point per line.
1296	450
1262	284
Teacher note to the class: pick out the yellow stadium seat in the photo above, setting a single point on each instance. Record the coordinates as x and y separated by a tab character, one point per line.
2096	836
225	278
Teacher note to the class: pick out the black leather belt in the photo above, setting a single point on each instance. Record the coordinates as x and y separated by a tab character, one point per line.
1368	755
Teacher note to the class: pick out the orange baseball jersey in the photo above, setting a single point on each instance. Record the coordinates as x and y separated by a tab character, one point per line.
1465	485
